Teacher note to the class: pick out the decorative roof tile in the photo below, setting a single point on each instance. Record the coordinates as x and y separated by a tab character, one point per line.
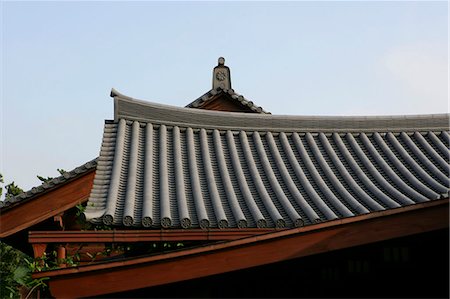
221	85
168	167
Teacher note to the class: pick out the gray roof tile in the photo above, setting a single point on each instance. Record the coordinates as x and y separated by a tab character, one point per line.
167	167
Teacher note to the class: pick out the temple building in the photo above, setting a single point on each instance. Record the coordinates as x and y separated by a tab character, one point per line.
221	198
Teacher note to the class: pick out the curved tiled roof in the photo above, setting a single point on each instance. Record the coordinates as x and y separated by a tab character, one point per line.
210	95
51	184
169	167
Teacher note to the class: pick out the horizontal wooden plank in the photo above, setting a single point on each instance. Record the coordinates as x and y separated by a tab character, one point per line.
113	236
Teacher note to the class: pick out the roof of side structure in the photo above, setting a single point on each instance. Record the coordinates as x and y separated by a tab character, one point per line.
50	185
169	167
212	94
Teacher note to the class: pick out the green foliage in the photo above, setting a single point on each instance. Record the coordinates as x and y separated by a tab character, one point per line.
12	190
16	269
46	179
15	272
15	266
85	225
145	248
1	182
20	274
80	210
10	259
61	171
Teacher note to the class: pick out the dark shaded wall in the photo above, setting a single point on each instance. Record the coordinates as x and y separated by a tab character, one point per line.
409	267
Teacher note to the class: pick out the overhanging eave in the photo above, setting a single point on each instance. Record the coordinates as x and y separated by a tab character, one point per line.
213	259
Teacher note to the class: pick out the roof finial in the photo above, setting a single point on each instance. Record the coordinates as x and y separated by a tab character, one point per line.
221	75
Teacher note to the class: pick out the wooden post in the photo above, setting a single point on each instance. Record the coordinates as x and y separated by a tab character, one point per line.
59	220
39	252
61	256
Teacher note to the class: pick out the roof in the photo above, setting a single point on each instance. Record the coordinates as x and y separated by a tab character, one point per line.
50	185
213	94
168	167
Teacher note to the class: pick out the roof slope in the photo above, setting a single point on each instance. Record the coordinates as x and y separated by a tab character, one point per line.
169	167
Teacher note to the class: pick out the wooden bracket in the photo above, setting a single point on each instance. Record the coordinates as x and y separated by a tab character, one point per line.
59	219
39	250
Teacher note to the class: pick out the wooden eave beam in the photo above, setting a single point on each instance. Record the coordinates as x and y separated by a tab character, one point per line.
135	273
117	236
47	205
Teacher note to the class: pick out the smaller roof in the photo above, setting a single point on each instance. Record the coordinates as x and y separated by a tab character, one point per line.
218	92
50	185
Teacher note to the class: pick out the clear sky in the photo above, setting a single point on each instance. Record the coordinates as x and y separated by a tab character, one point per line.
60	60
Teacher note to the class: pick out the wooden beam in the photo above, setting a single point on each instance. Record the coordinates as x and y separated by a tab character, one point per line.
118	236
47	205
135	273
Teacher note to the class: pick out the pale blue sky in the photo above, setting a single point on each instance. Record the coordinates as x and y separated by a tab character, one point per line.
61	59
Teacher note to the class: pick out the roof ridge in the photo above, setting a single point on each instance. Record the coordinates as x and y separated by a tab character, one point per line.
144	111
